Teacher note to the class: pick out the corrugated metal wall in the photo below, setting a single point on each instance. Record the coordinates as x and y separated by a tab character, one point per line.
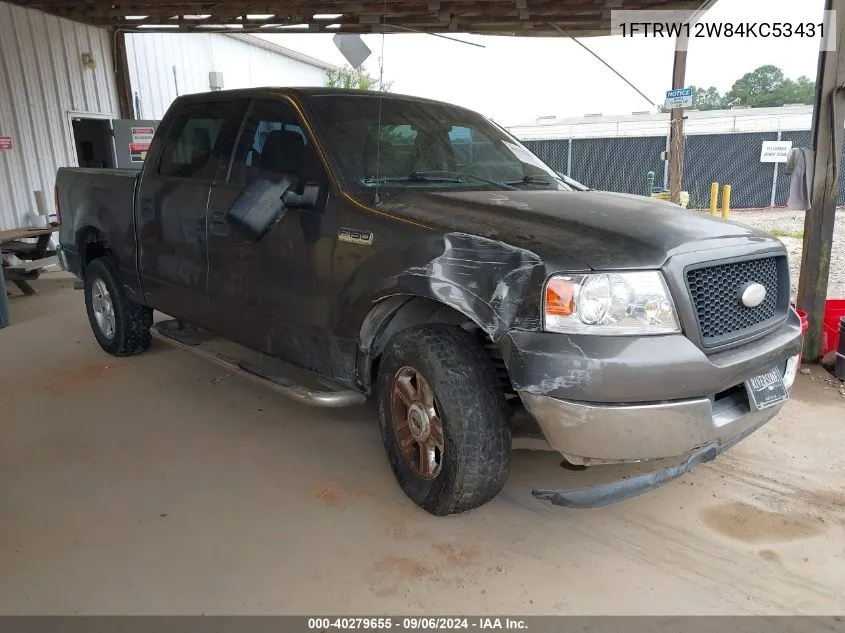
152	58
41	79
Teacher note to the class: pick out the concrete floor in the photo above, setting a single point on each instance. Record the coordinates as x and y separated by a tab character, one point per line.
156	485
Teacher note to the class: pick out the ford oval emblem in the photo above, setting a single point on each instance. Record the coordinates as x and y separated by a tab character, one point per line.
752	295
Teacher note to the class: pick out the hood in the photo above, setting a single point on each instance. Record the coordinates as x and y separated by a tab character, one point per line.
602	230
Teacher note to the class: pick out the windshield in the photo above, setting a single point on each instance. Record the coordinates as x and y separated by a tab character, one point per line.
425	145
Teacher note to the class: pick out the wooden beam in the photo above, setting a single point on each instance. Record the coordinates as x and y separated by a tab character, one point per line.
676	123
828	122
121	74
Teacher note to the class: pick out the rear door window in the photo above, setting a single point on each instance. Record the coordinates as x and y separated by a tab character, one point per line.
198	140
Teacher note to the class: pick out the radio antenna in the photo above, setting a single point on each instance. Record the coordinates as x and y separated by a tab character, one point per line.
376	199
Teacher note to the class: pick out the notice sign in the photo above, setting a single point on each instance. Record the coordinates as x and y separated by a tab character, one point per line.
681	98
775	151
141	139
5	143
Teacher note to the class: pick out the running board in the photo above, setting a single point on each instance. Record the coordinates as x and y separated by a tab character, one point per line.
293	390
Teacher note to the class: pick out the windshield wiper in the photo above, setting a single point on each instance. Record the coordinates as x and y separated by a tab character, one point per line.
412	177
437	176
531	180
432	175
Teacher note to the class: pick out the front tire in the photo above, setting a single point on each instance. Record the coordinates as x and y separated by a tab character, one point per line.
121	327
443	419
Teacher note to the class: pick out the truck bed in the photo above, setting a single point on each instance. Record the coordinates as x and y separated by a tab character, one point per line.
98	201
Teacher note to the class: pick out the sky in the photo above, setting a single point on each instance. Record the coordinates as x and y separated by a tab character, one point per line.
515	80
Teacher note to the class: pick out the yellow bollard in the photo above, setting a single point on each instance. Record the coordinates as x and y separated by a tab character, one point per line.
726	202
714	198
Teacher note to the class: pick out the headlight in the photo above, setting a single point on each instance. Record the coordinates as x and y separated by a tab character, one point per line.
610	304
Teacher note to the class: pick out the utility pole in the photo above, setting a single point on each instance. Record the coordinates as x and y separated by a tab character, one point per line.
828	122
676	123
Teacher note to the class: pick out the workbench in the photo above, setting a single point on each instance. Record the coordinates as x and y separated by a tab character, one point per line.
34	256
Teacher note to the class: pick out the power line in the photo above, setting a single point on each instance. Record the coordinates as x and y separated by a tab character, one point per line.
616	72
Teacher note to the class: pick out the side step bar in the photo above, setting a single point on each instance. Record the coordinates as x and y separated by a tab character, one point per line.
300	393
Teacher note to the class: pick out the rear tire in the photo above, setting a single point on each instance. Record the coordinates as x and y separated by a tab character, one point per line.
451	384
121	327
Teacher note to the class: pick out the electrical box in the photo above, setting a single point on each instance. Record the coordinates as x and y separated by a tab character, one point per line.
215	80
132	138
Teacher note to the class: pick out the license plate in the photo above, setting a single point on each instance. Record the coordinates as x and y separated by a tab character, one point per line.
766	390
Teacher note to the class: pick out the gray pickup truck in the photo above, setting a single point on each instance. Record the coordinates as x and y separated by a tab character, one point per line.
415	252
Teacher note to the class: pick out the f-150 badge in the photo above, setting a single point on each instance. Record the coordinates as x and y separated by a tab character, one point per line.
364	238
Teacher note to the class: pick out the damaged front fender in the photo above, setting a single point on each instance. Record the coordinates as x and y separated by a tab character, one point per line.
494	285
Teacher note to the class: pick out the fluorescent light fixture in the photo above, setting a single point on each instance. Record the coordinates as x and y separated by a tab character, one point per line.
327	16
135	17
260	16
202	16
158	26
296	26
332	26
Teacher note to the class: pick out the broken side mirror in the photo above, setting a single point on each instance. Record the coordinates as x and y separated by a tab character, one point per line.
307	200
260	206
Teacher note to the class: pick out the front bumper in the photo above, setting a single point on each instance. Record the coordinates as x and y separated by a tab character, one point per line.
615	491
592	433
617	399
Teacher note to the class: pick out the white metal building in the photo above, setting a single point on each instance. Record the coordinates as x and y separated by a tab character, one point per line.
797	117
55	71
163	66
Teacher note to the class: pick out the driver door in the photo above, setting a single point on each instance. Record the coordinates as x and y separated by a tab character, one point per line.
270	294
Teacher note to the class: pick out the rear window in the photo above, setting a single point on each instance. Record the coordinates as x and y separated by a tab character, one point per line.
192	147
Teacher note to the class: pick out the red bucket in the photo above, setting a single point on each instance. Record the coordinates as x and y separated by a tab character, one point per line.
833	310
804	325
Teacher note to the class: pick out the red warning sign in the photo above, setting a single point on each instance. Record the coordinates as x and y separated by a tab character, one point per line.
138	152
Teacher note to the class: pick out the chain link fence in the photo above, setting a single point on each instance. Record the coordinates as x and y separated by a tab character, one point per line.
621	163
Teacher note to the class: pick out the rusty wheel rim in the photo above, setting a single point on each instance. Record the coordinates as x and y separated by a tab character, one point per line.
417	423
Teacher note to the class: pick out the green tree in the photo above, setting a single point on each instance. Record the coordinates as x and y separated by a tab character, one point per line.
802	90
355	78
706	99
767	87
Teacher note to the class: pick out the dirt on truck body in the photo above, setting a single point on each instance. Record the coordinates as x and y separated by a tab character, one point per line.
347	244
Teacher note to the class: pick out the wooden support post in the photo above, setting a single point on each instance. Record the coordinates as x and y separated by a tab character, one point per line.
121	74
676	123
828	122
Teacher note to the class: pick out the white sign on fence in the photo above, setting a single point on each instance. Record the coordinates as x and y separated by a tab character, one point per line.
775	151
681	98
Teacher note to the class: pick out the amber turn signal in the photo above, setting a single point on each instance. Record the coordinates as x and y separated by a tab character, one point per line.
560	297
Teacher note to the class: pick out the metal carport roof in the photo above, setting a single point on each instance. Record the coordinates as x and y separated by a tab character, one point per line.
493	17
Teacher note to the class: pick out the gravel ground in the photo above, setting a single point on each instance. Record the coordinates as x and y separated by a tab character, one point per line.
785	222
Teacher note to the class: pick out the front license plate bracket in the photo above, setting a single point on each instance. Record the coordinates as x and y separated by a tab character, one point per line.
766	390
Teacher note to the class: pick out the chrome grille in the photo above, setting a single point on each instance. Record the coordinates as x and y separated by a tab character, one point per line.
715	293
